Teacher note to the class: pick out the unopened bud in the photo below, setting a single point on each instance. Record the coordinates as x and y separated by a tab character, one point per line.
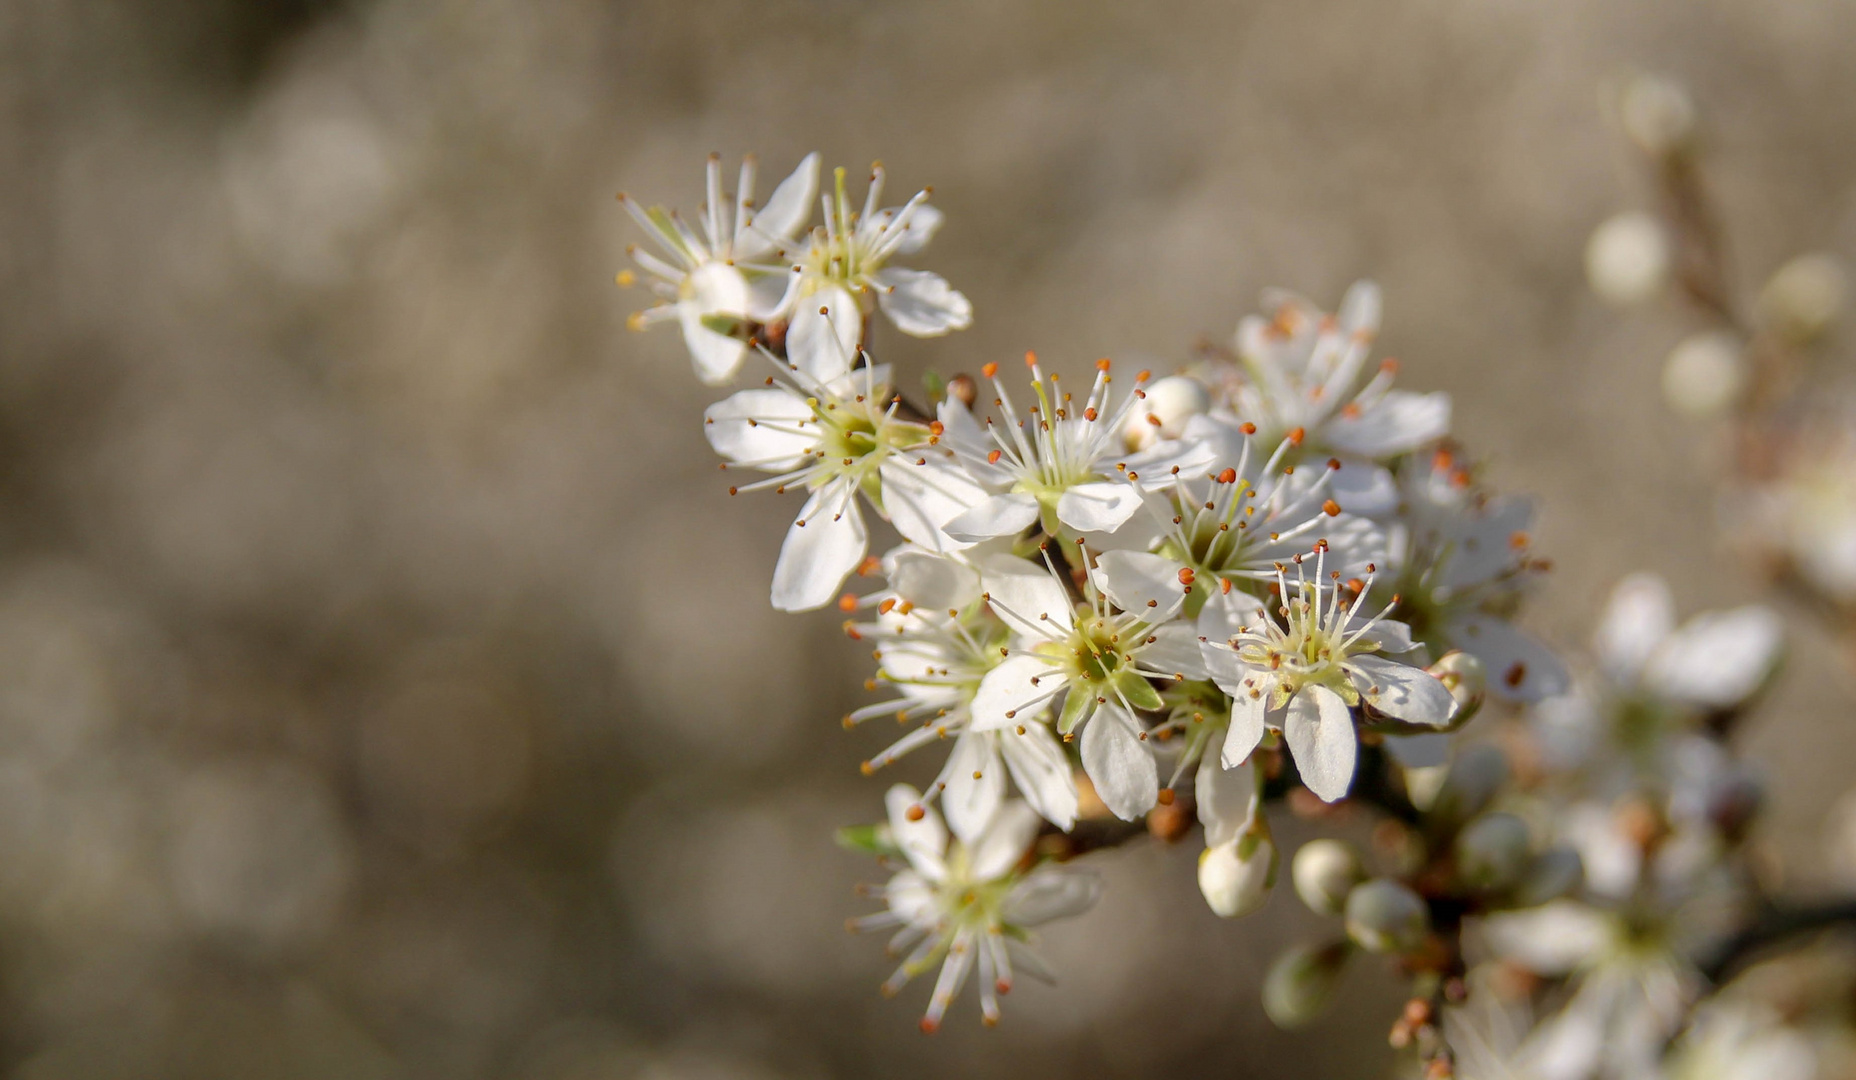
1554	873
1465	677
1657	114
1301	982
1172	400
1493	852
1386	916
1805	297
1627	259
1705	374
1236	877
1474	778
1324	872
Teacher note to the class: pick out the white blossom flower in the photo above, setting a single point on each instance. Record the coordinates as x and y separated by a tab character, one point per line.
1716	660
712	278
1304	669
1303	373
1097	655
1061	467
834	430
848	256
1462	561
935	659
969	904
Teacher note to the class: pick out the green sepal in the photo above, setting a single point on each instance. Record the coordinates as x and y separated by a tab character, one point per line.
934	386
726	325
869	839
1139	692
1076	704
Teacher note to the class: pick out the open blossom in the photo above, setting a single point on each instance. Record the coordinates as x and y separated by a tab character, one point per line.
1303	372
968	904
847	258
935	660
1714	661
1096	656
1462	562
1061	466
1304	669
834	430
1245	514
713	277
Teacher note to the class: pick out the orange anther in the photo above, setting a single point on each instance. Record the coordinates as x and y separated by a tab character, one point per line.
1102	364
937	428
992	458
915	813
847	602
1089	413
887	606
1296	435
1330	508
989	370
1389	366
1518	541
1247	428
1333	463
1143	376
1185	575
1229	476
1031	358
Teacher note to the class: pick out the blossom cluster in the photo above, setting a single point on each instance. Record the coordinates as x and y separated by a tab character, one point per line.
1269	577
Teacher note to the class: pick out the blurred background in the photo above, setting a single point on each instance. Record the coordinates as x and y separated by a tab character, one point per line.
387	683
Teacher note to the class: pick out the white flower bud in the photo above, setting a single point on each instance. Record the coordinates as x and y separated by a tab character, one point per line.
1805	297
1493	852
1386	916
1474	778
1324	872
1627	259
1465	677
1657	114
1162	414
1301	981
1554	873
1705	374
1236	877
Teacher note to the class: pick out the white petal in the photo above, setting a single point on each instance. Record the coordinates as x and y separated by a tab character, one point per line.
963	434
933	581
1099	507
1119	764
1027	597
1174	650
787	209
1225	614
1005	842
822	341
924	221
1718	659
1319	730
1640	614
1520	668
1055	892
975	783
920	303
920	499
1363	488
923	840
1223	794
1485	545
1387	635
912	897
825	544
1401	691
1041	771
1360	308
765	429
1248	717
716	357
1138	581
998	515
1398	422
1007	696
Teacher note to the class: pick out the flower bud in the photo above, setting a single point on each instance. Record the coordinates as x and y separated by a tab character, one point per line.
1474	778
1705	374
1301	981
1657	113
1236	877
1805	297
1171	400
1627	259
1324	872
1493	852
1386	916
1465	677
1554	873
